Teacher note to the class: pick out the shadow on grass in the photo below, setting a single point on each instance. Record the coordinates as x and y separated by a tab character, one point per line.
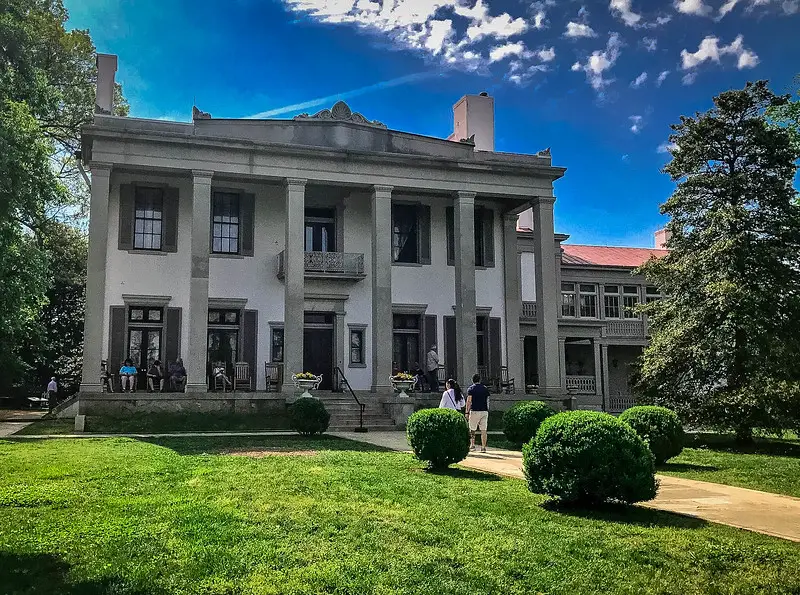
212	445
727	443
625	514
685	467
49	574
460	473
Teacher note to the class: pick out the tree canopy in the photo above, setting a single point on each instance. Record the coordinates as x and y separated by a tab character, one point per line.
725	347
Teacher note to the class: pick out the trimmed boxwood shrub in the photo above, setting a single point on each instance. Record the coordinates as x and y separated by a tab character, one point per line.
589	457
521	421
660	428
438	436
308	416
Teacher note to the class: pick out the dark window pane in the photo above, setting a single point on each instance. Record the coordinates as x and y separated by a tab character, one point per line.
404	233
137	314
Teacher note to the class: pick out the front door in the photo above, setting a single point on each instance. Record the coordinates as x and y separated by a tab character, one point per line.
318	347
144	347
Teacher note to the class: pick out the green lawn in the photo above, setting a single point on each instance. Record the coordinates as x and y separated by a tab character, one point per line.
179	516
770	465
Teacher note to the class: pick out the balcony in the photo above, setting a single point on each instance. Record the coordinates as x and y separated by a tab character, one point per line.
528	311
625	328
328	265
582	385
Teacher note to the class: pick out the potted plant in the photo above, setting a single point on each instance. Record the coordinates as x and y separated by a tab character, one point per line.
402	381
307	382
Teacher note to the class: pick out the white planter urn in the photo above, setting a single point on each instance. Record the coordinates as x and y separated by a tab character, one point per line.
307	384
402	386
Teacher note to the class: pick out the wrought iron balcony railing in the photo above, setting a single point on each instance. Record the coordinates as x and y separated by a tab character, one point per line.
328	265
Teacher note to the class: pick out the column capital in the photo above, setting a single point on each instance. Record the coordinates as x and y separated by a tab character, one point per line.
466	195
202	176
295	182
562	340
382	189
543	200
99	168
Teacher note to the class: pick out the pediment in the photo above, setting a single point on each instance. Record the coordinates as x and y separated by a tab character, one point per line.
341	112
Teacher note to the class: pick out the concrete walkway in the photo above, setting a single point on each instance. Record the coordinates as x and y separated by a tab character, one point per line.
762	512
13	421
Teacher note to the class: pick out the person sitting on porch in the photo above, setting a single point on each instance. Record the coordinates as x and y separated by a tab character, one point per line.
177	375
127	376
155	376
419	377
219	373
432	368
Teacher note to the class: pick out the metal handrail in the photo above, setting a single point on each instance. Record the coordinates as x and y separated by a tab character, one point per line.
361	406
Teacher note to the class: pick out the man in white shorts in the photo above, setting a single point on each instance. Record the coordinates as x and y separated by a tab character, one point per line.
478	411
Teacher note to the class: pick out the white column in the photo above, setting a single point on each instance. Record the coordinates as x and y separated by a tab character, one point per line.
197	314
513	295
547	297
294	276
96	279
381	287
466	331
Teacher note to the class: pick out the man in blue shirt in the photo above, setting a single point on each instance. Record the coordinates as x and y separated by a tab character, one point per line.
478	411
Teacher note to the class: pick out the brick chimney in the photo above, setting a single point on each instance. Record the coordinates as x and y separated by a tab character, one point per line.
106	69
473	115
662	237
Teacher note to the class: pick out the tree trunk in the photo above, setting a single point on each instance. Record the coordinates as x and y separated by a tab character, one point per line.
744	435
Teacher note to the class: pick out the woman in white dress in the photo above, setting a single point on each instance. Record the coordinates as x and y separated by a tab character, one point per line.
452	398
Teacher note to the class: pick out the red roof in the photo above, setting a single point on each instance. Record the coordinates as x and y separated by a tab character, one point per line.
608	256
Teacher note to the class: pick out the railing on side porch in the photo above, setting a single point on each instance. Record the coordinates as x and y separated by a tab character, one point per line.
619	402
334	264
625	328
582	385
528	310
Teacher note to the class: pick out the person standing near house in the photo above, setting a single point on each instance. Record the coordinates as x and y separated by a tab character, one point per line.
478	411
452	398
52	393
432	368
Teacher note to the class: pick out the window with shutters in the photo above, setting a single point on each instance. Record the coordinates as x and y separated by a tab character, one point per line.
483	234
405	233
225	223
223	338
148	216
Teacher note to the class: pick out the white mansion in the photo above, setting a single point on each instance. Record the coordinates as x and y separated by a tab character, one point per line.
331	241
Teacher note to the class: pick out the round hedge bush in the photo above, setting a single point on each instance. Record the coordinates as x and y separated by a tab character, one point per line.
308	416
521	422
660	428
589	457
439	436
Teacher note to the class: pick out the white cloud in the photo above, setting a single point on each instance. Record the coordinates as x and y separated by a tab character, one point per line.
501	52
710	50
663	20
791	6
788	7
689	78
520	75
547	55
636	124
441	32
539	11
579	30
695	7
622	9
639	80
599	62
667	148
661	77
727	7
500	27
650	43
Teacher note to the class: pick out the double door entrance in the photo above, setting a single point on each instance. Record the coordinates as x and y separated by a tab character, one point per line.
318	346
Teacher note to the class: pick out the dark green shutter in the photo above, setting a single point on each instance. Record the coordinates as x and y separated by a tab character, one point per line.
169	229
172	333
246	222
424	226
127	197
495	356
487	217
116	338
450	351
451	241
430	333
250	341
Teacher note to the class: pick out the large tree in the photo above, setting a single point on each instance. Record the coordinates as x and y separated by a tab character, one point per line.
47	81
725	347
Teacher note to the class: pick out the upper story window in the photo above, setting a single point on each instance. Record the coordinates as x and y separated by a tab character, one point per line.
651	294
484	236
630	300
148	214
320	230
567	299
405	229
225	223
588	296
611	301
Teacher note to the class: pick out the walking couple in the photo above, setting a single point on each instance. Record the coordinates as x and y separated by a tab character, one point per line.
476	407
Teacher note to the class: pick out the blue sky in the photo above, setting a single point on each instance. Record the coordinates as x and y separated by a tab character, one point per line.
598	82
